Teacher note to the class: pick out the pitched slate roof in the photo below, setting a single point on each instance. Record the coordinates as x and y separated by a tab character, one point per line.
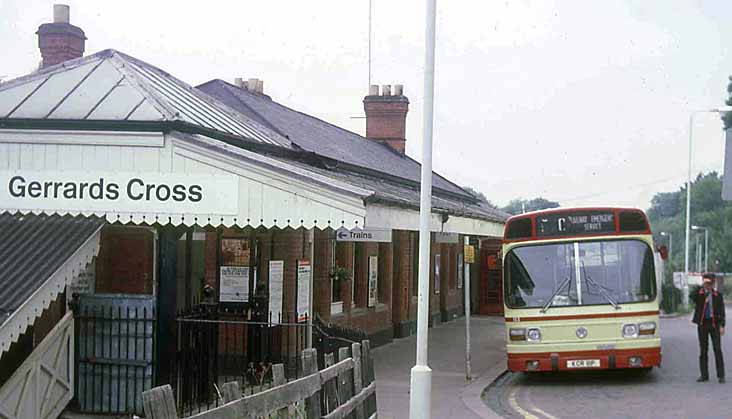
320	137
402	195
112	86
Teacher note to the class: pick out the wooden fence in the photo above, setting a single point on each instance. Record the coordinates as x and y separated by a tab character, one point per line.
343	390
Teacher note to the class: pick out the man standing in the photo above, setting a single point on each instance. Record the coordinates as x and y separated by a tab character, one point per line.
709	318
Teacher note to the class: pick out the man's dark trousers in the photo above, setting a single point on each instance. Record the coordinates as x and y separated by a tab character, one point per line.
707	329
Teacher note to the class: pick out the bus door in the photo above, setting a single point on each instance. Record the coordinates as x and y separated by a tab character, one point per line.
491	278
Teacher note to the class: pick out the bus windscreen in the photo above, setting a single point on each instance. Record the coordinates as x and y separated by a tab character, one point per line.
579	273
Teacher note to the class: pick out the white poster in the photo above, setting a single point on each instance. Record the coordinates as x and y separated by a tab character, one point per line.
234	286
118	192
276	270
303	290
438	282
461	271
85	282
373	280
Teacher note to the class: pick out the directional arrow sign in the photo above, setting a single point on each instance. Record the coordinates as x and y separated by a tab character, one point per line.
363	235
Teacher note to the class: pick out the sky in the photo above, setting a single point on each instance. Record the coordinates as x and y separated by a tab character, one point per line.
581	102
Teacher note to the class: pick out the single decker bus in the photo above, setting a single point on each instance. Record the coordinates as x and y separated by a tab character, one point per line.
580	290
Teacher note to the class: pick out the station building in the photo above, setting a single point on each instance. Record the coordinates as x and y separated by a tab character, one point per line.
138	211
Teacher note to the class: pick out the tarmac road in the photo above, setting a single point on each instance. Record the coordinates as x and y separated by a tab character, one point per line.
668	392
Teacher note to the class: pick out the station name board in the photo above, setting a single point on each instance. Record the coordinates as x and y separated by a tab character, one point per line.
575	223
118	192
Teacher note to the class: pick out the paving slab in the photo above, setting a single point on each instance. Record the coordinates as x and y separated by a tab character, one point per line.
453	396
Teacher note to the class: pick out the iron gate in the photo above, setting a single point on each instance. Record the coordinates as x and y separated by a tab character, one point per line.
115	354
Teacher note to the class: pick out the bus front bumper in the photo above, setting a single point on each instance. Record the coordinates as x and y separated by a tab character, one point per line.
585	360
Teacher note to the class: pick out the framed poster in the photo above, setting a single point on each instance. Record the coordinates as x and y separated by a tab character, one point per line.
234	285
437	273
460	270
276	269
373	280
235	252
303	289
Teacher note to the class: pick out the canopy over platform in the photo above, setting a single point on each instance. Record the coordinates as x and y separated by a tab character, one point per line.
39	256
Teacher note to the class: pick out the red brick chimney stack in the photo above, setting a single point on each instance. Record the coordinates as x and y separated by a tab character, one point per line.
386	116
60	41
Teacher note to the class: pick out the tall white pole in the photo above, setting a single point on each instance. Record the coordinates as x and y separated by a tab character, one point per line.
466	288
420	395
685	298
311	256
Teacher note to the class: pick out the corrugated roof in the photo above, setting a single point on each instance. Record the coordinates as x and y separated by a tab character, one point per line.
33	248
113	86
321	137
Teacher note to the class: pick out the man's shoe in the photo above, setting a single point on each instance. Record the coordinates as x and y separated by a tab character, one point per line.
721	380
702	379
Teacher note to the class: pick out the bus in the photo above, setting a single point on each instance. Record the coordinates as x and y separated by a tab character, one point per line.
580	290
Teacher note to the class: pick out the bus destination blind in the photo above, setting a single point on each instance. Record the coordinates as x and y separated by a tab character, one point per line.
575	224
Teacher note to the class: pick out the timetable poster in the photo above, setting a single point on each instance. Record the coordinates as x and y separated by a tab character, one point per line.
303	290
234	284
276	269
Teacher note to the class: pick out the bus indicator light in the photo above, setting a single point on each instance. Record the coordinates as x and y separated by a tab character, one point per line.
517	334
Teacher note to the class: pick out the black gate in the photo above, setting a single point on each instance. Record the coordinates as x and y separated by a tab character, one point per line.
217	346
115	354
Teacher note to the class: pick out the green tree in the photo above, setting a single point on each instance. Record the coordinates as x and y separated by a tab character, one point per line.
480	196
668	214
517	206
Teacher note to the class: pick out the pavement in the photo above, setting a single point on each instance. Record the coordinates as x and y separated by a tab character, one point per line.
452	395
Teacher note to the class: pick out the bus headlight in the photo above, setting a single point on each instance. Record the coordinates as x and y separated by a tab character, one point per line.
630	330
647	328
517	333
533	335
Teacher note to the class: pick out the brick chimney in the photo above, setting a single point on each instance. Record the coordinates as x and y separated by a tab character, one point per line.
386	116
60	41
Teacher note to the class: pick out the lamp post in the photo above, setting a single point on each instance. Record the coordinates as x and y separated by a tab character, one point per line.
420	386
688	200
706	244
670	249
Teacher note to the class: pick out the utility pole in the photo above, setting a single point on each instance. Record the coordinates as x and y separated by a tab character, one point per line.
420	395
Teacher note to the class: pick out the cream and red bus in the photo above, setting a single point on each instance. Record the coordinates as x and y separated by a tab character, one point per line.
580	290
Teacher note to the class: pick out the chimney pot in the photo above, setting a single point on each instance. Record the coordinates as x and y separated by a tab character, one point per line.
61	13
60	41
260	86
252	85
238	82
386	116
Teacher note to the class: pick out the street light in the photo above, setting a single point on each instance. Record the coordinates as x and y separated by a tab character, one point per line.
706	244
420	385
670	249
688	199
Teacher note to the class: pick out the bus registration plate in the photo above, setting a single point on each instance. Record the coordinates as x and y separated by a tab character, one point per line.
583	363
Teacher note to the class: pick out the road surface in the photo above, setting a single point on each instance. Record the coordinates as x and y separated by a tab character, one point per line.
668	392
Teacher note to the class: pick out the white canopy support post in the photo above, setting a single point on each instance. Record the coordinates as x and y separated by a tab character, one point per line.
466	288
420	395
311	256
